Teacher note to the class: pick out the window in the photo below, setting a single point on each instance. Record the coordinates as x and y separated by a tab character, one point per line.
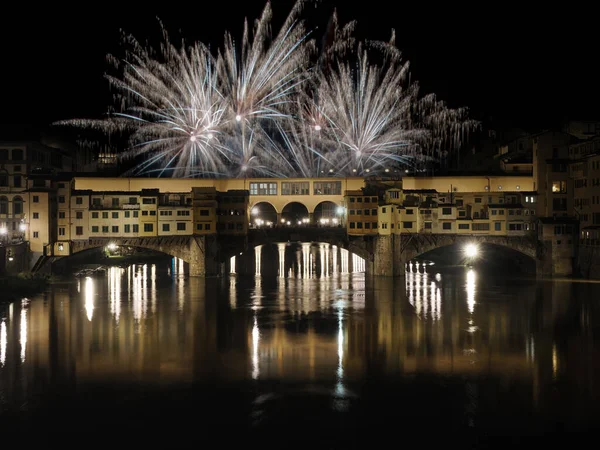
166	227
481	227
115	215
115	202
127	214
407	224
17	205
500	212
17	154
374	212
498	226
359	225
477	199
383	210
295	188
559	204
464	226
3	179
61	231
79	201
132	200
427	225
36	234
409	211
186	212
105	228
105	215
515	226
207	226
127	228
136	213
79	215
35	199
166	213
148	228
559	187
180	226
79	231
149	201
94	229
446	226
60	185
352	225
115	228
393	194
367	212
61	215
459	202
263	188
17	181
61	199
494	212
447	211
328	188
204	212
136	228
144	213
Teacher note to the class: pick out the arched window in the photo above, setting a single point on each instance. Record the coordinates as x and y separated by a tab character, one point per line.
3	205
17	205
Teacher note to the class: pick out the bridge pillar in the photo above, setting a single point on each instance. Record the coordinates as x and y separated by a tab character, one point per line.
195	255
383	256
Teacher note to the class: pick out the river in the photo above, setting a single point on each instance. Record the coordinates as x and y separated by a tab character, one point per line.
317	351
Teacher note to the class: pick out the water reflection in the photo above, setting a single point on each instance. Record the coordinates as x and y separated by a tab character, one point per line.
333	330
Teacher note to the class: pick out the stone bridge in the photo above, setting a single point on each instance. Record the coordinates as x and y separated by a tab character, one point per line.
191	249
391	253
384	255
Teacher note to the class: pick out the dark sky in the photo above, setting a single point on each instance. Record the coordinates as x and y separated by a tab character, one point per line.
530	66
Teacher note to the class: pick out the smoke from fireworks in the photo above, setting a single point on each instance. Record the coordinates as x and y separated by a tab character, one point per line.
274	106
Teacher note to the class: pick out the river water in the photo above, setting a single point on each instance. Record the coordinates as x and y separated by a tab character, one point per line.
315	352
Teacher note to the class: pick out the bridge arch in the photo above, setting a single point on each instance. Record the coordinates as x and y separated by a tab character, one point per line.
190	249
263	213
326	212
524	248
296	213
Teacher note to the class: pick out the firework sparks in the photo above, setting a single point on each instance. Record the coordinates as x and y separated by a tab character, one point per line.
271	106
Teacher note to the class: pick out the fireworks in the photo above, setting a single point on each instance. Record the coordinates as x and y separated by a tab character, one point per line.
272	106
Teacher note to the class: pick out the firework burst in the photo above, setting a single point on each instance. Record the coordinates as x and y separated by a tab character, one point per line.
272	106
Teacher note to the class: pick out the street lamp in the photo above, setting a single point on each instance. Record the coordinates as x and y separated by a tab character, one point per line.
471	250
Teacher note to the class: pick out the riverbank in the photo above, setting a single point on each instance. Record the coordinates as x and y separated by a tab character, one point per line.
15	287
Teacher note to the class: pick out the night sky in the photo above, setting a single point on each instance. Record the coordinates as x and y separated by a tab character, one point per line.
529	67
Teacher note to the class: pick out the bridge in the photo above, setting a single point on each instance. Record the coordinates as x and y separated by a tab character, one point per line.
384	255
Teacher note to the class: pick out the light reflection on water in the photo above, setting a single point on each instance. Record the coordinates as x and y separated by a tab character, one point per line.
147	323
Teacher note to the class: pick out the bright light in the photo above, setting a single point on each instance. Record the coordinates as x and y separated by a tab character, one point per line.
282	220
238	118
254	211
22	227
193	138
289	223
340	210
3	230
317	127
209	136
112	246
471	250
387	170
